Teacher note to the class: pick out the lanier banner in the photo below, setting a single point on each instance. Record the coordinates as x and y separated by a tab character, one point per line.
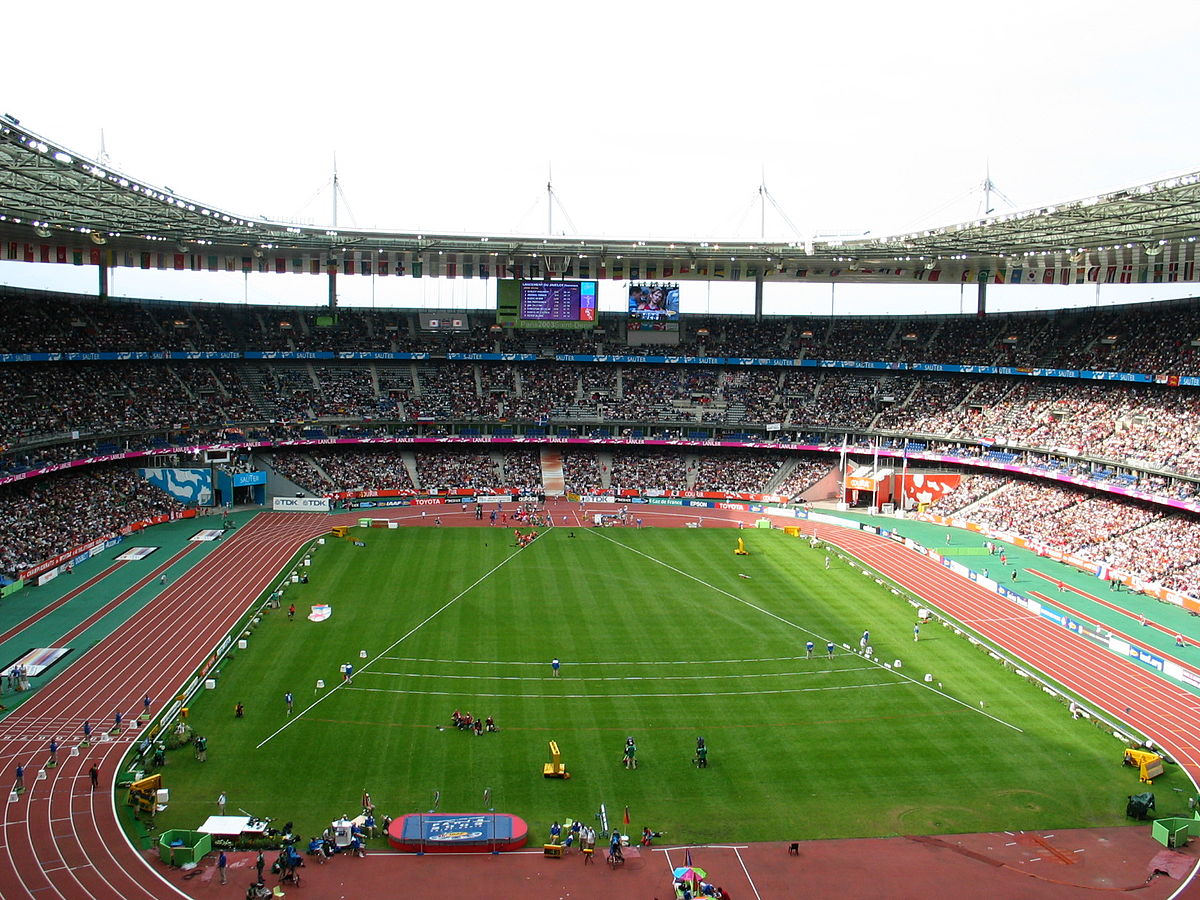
300	504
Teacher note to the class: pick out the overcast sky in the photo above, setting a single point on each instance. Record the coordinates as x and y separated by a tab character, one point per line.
657	119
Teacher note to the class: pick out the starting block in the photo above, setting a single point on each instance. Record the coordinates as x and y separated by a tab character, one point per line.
554	768
554	851
12	796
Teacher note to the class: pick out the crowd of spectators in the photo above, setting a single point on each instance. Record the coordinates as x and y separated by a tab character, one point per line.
648	470
45	517
382	468
803	475
453	467
582	472
737	471
1116	339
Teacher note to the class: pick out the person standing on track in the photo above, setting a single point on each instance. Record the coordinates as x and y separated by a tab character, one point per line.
222	865
94	775
19	784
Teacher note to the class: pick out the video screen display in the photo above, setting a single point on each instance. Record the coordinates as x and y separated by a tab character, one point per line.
654	301
558	301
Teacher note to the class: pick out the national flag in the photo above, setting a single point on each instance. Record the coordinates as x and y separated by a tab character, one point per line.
1173	271
214	264
483	270
60	254
635	272
1001	276
280	265
96	256
145	261
1110	274
1048	276
1014	277
1127	274
1093	274
196	261
627	815
77	257
668	270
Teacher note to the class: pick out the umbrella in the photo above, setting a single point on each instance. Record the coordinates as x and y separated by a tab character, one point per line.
690	873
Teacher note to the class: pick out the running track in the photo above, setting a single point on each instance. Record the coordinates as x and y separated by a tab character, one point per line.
61	840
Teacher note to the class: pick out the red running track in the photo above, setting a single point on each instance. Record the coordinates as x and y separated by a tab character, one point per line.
62	840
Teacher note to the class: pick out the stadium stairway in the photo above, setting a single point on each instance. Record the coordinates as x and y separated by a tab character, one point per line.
553	481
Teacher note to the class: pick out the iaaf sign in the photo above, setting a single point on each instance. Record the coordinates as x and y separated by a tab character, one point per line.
300	504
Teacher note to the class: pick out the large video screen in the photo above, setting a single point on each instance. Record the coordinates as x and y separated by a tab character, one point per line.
558	301
654	301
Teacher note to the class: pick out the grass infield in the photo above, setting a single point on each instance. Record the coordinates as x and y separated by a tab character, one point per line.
661	639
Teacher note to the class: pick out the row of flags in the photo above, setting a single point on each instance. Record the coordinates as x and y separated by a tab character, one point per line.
450	265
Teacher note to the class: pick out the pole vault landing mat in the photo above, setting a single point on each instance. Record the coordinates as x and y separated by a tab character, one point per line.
457	832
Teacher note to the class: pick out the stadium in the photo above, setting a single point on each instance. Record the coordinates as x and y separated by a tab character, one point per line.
918	583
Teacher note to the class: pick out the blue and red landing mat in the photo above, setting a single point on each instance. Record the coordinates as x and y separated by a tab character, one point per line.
457	832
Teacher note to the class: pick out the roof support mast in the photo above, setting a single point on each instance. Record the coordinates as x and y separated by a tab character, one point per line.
332	269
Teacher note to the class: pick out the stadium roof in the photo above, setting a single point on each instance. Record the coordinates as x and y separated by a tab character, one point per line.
58	206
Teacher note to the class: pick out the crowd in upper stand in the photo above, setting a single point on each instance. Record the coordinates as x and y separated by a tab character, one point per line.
1114	338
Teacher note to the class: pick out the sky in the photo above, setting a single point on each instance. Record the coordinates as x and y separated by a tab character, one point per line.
652	119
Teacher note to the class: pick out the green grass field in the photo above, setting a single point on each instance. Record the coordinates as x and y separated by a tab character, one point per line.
660	639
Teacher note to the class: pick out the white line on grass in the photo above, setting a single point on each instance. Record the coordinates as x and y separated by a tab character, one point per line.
605	662
629	677
843	687
429	618
790	624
